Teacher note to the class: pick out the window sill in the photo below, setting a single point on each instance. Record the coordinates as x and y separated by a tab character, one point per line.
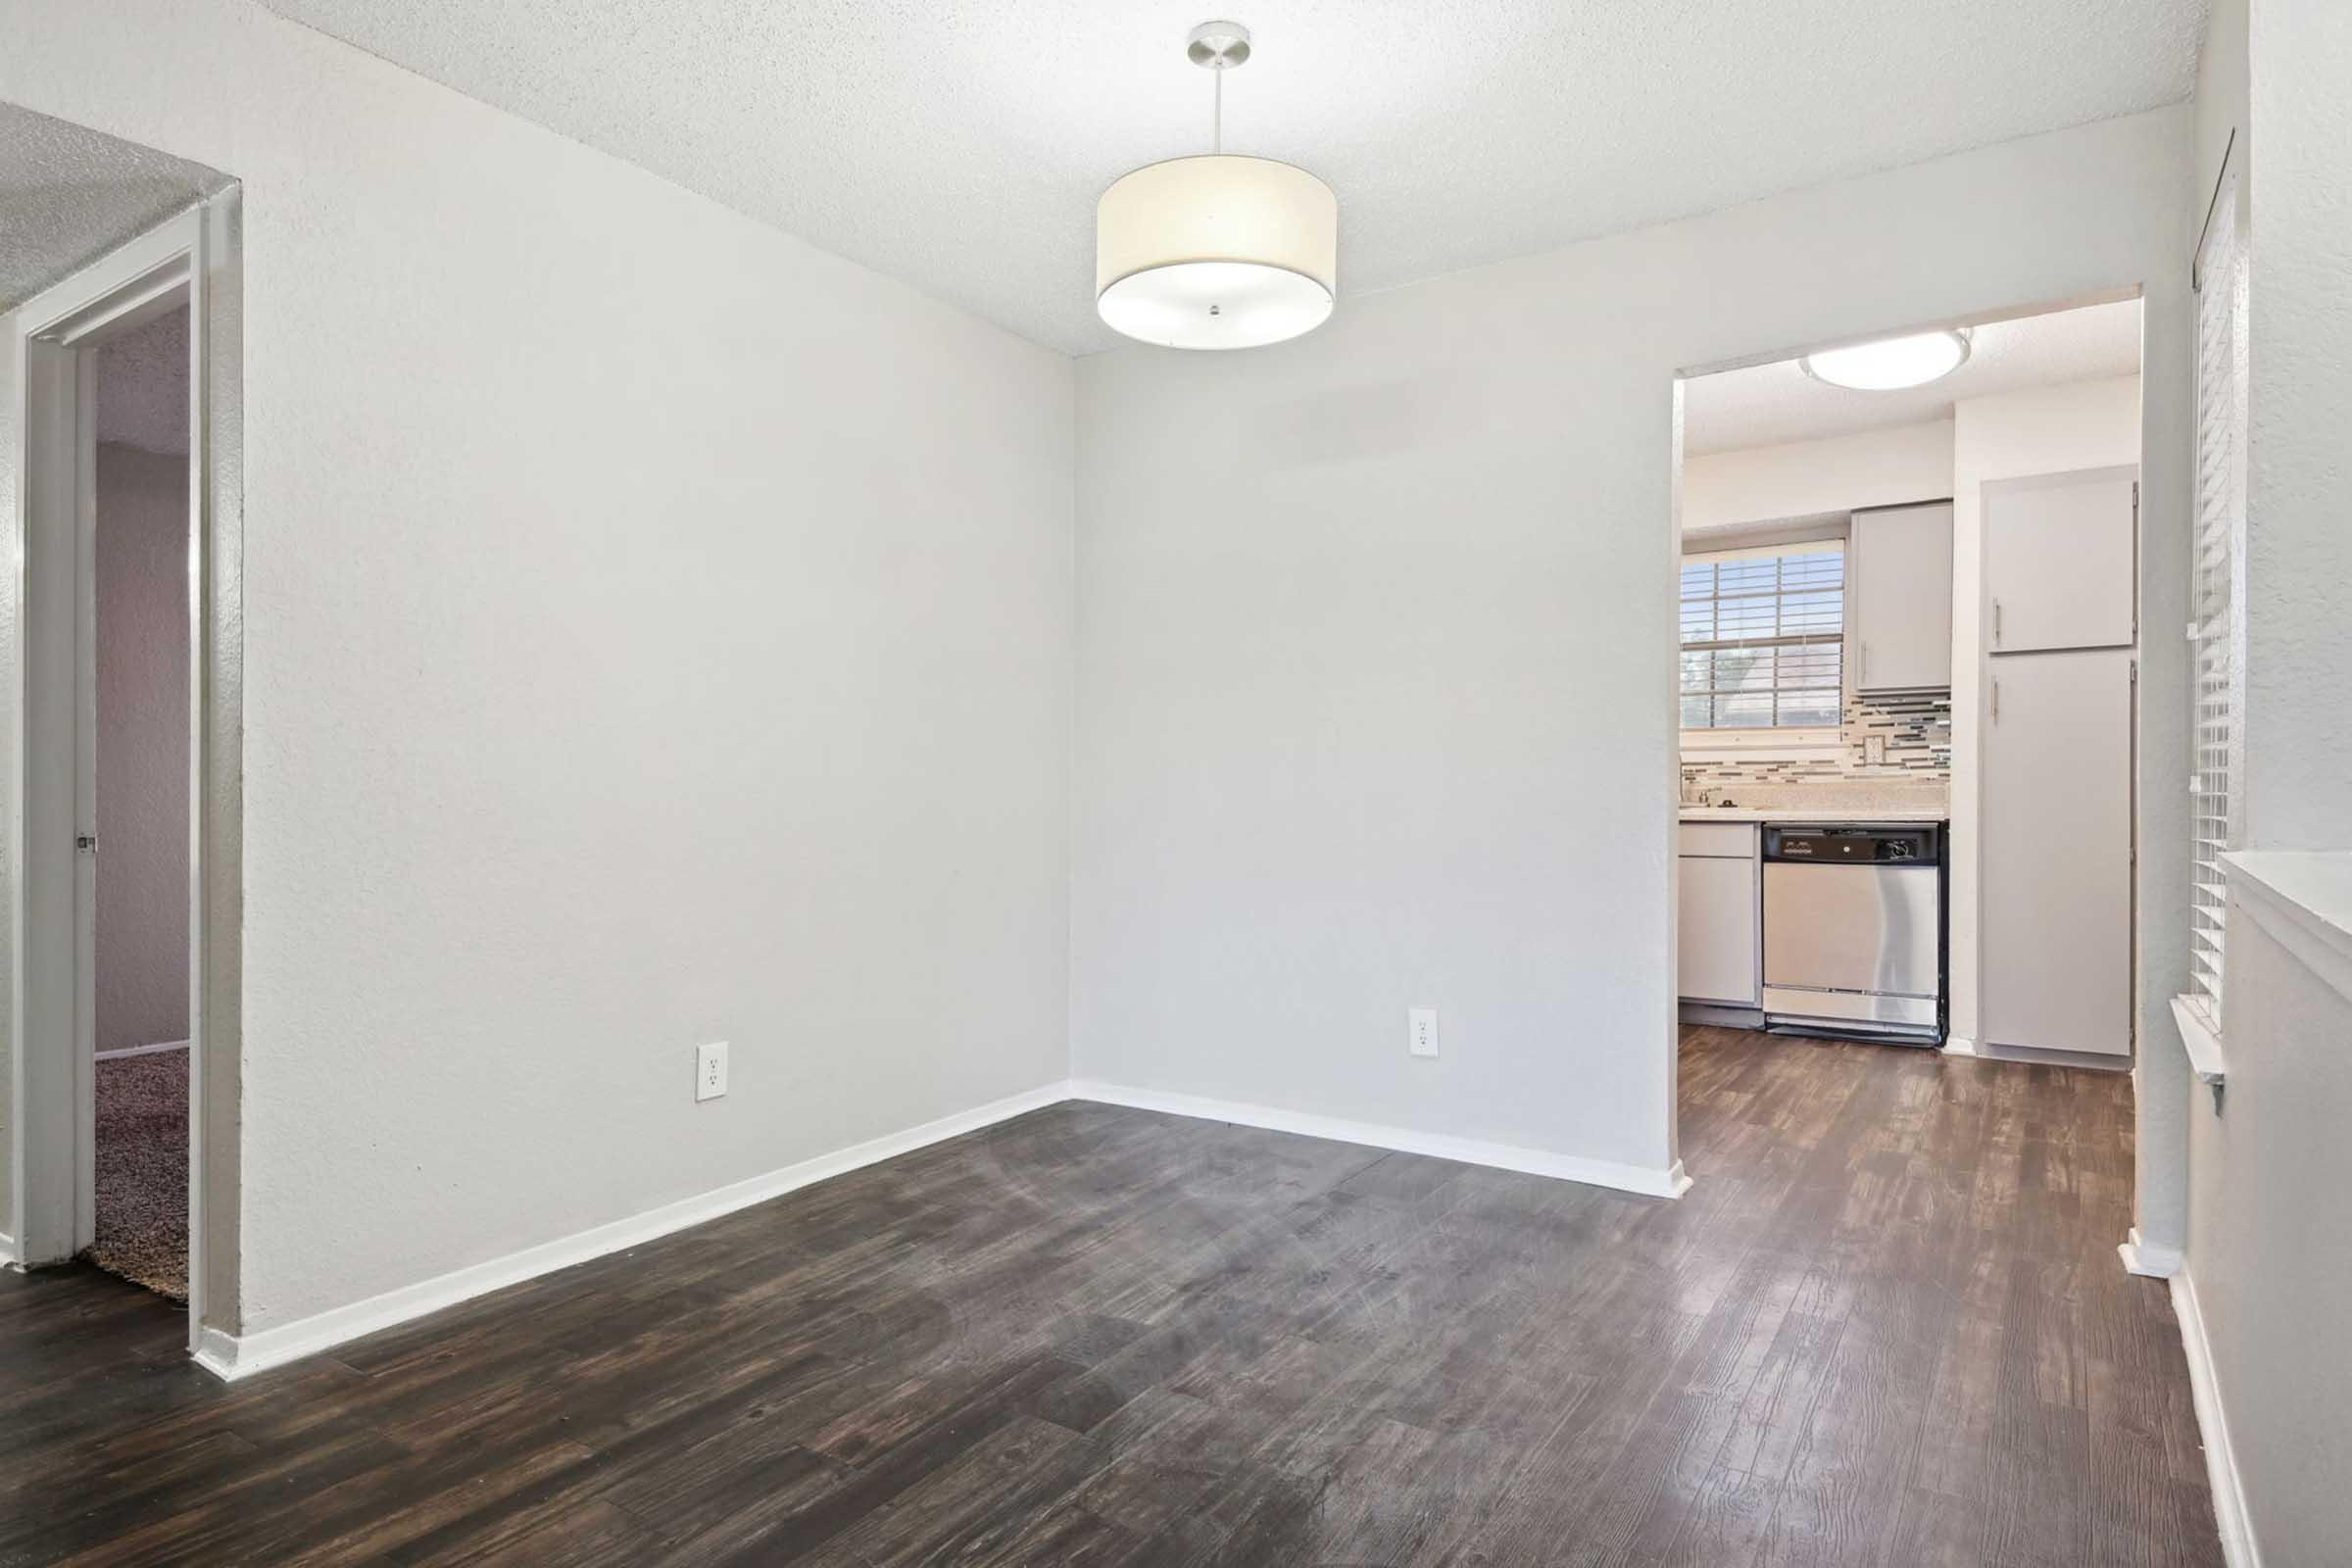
1760	744
2204	1048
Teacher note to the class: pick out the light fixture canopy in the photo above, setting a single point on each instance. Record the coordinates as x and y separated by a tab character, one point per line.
1891	364
1219	251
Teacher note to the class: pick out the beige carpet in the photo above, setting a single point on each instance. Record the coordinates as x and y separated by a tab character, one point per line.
143	1172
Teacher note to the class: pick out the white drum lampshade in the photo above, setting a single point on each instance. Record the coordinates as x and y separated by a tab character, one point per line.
1217	251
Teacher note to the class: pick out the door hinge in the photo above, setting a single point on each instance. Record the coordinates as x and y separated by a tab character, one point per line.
86	843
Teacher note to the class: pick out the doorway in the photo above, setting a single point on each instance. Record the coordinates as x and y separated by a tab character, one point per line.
123	740
135	580
1907	675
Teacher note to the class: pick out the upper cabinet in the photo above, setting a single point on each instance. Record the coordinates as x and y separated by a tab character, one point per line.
2059	565
1902	596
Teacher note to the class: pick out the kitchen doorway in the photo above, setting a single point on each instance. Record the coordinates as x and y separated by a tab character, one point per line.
1876	690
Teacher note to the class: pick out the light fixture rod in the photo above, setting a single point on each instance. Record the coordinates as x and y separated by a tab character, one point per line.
1216	47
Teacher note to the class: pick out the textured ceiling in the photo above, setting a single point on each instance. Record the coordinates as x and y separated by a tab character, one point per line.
69	195
960	146
1766	405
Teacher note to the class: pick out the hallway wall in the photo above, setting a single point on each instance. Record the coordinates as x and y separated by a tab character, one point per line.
142	585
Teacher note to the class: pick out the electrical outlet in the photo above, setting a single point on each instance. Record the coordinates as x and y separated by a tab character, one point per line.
711	1070
1421	1031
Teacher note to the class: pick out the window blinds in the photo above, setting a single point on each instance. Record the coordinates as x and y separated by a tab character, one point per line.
1763	637
2217	588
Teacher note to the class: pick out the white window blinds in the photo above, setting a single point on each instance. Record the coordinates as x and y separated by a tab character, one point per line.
2217	588
1763	637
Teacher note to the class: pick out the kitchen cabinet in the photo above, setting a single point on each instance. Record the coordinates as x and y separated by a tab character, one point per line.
1900	584
2054	861
2060	554
1716	914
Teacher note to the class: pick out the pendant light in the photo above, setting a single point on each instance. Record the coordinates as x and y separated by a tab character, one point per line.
1219	251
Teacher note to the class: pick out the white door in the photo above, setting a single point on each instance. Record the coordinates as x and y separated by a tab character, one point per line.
2060	561
1900	578
1716	929
2055	858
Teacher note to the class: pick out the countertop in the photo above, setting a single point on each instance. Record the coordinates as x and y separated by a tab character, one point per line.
1799	814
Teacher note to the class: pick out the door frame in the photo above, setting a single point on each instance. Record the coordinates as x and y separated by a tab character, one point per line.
188	260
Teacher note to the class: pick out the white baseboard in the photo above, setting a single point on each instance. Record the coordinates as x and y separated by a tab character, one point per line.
120	1051
2142	1256
1648	1181
232	1356
2238	1548
8	1248
2033	1056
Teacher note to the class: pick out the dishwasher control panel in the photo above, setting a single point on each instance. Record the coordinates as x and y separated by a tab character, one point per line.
1855	843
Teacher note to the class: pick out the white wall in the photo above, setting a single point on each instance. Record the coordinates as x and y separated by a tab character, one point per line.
2269	1230
657	631
2298	521
1375	695
1805	479
2010	435
142	746
2270	1233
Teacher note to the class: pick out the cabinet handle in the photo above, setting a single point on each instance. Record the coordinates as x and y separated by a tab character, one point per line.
1996	701
1997	624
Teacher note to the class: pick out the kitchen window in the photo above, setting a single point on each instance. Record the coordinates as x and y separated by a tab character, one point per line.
1763	641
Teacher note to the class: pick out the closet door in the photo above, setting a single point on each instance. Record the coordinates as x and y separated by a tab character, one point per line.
2060	561
2054	948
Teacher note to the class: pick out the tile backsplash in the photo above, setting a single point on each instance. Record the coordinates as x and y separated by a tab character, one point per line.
1916	728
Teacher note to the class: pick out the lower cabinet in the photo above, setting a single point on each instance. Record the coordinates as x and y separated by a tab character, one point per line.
1716	923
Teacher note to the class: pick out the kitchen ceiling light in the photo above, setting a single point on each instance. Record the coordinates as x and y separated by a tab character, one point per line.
1890	363
1217	251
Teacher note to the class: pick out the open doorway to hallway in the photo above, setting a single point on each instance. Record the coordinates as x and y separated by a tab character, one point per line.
121	718
139	589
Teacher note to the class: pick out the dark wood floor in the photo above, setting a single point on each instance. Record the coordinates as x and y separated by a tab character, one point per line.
1887	1326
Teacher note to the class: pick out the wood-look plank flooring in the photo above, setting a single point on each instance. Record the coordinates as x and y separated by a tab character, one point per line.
1887	1325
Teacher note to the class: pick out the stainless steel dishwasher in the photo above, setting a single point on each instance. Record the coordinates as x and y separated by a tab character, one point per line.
1853	929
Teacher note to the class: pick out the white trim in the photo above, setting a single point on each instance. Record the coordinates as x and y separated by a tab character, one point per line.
1831	541
2203	1046
231	1356
234	1356
1959	1046
8	1247
119	1053
2304	900
2039	1056
2144	1257
2239	1550
1649	1181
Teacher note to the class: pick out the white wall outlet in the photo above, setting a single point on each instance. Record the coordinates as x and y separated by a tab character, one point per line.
1874	750
1421	1031
711	1070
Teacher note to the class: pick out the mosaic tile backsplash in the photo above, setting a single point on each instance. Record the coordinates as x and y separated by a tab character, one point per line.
1916	727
